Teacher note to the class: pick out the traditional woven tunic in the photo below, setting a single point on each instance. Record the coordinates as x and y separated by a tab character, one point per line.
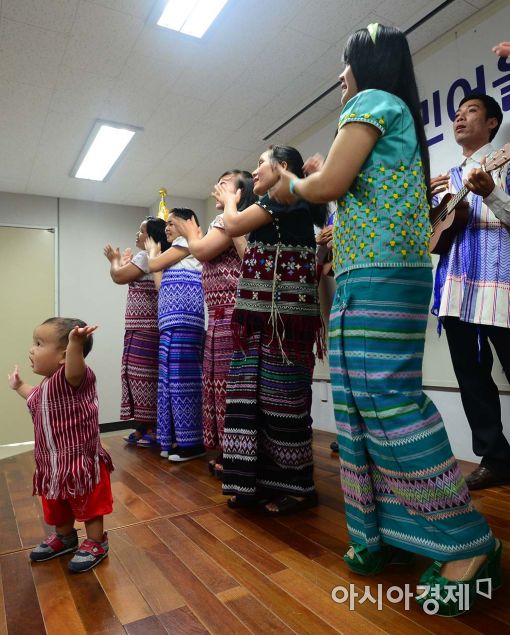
401	483
473	278
139	373
268	436
67	449
219	278
181	325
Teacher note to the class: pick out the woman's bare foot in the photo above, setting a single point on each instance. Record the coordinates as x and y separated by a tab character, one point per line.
462	569
273	506
350	553
459	570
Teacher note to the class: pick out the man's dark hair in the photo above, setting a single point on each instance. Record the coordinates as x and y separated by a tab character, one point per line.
492	109
64	326
185	213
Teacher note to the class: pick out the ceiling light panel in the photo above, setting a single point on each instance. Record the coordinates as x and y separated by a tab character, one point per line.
192	17
103	149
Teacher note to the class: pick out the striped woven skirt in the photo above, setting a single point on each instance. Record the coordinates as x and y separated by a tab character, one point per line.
402	486
139	376
267	443
217	356
180	387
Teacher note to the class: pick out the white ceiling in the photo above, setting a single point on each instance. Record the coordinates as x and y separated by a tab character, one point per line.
205	105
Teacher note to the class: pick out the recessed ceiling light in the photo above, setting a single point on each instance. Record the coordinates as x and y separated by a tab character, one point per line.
192	17
103	148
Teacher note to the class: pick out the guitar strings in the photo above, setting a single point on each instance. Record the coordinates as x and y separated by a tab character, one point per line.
449	208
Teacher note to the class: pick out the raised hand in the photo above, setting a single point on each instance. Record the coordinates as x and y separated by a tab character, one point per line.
502	49
152	247
14	379
313	164
439	183
126	257
80	333
223	195
111	253
187	228
75	367
17	384
280	191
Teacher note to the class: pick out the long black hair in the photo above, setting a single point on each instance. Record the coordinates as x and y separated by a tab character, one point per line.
243	182
387	65
294	161
156	230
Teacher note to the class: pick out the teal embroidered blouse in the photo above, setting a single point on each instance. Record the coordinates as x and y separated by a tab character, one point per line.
383	220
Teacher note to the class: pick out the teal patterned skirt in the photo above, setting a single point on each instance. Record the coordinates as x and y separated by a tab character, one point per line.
401	483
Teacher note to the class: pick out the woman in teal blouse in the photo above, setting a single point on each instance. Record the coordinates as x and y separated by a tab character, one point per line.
404	492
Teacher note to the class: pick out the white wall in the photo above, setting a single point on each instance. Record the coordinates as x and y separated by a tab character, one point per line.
34	211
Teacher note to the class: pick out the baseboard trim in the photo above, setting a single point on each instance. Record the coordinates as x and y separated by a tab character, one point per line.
113	426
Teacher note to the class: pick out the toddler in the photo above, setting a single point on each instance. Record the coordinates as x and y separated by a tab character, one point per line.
72	470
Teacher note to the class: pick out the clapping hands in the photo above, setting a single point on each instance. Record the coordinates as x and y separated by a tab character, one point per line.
224	195
187	228
313	164
152	247
111	253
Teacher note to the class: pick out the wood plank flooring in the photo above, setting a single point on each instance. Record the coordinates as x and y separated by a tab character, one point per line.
182	562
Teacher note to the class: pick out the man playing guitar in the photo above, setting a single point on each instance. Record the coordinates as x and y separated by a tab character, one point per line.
472	285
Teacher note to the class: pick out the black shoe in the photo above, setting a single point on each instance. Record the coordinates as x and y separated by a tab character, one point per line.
482	477
178	454
334	446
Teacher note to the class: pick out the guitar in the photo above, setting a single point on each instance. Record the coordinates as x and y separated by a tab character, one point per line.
452	214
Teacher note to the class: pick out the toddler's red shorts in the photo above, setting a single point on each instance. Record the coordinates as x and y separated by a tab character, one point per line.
98	502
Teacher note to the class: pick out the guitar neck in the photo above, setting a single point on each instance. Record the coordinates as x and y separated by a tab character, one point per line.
457	198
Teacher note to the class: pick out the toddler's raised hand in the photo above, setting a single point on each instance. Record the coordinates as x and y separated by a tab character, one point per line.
80	334
14	379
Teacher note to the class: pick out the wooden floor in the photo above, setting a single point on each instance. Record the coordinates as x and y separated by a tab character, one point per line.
182	562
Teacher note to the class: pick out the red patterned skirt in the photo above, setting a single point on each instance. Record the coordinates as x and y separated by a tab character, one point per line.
139	376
